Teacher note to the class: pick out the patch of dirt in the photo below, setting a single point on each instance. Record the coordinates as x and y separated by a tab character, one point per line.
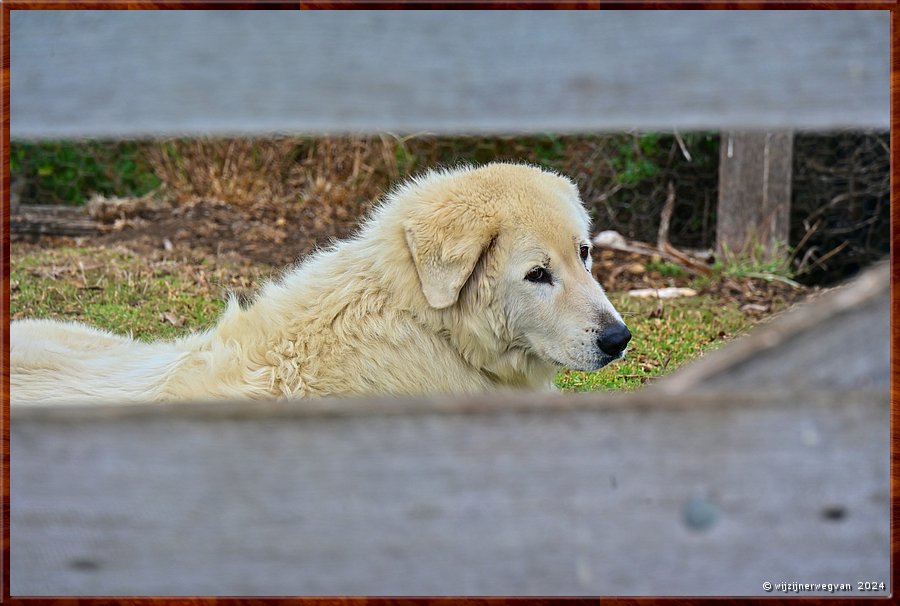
263	233
621	271
273	236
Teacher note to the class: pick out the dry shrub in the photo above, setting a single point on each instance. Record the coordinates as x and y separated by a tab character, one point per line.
340	177
840	208
242	172
342	174
351	172
323	185
332	181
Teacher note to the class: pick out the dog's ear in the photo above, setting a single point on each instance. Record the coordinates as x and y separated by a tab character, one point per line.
445	247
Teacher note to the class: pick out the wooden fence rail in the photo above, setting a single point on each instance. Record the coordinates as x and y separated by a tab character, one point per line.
713	495
151	73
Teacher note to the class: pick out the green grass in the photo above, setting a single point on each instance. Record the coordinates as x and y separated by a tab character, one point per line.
128	294
757	263
112	290
666	268
663	338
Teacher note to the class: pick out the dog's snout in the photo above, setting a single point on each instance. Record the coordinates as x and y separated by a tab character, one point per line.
614	339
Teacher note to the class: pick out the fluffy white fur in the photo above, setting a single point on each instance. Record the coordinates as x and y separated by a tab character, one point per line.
428	297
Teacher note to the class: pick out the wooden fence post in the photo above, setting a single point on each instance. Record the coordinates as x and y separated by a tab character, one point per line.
754	193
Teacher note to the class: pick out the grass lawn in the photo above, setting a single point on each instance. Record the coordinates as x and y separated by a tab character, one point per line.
121	292
663	338
161	299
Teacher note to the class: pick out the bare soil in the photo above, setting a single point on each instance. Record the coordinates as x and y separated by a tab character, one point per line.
272	236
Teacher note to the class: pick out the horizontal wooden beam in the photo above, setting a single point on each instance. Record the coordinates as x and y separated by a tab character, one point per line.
154	73
696	496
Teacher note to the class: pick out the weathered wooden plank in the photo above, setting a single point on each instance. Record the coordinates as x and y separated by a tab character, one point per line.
590	498
135	73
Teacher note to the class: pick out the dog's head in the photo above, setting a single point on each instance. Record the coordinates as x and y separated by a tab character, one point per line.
505	249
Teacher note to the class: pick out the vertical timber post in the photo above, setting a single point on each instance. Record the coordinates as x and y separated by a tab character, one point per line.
754	193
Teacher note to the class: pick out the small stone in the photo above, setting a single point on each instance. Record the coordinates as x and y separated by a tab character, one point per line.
754	307
636	268
609	239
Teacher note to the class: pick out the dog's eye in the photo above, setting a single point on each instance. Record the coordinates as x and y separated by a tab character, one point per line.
585	252
539	275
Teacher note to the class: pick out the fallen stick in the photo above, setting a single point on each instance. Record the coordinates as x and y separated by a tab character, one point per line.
53	220
613	240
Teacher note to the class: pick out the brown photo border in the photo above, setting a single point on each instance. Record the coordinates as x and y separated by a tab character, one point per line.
892	5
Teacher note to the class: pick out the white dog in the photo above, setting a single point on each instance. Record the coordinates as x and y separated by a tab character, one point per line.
461	281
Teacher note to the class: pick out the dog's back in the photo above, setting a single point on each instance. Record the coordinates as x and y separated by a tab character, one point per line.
52	360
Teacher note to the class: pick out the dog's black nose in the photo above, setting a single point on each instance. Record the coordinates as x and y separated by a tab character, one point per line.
614	339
